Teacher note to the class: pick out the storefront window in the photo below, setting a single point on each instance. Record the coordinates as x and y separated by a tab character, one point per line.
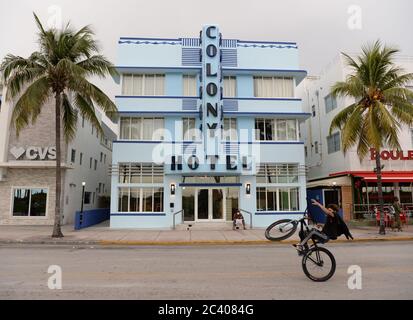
29	202
406	193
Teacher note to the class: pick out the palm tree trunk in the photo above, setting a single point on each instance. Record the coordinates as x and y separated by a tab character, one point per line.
57	231
382	229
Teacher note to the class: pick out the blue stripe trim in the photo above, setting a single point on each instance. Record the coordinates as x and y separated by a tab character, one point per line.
162	39
272	70
160	68
264	99
269	113
269	42
224	142
160	112
157	141
183	184
274	213
263	142
138	214
158	97
197	97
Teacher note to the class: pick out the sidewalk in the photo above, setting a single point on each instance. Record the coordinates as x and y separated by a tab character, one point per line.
102	235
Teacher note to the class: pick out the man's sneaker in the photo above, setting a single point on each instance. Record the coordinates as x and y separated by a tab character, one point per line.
300	249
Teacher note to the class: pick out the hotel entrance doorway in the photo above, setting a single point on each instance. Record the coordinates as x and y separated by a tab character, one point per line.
209	204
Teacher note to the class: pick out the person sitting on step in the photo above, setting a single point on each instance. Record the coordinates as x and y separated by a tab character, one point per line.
237	218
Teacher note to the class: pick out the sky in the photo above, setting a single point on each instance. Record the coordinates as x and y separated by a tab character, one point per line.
321	28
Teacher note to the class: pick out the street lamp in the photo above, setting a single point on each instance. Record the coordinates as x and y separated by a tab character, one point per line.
83	196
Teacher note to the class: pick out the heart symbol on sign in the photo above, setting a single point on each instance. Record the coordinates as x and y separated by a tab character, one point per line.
17	152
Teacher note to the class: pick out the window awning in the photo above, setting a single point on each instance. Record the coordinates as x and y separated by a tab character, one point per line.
387	176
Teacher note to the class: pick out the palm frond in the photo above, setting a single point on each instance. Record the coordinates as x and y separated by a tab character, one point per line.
29	105
69	118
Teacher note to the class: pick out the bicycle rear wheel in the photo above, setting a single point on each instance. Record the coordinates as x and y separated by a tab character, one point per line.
281	229
319	264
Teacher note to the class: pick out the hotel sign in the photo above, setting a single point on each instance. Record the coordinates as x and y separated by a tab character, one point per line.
212	103
392	155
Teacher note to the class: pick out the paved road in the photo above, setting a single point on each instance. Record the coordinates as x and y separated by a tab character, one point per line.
202	272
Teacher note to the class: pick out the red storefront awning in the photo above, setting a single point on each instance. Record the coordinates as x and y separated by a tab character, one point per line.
387	176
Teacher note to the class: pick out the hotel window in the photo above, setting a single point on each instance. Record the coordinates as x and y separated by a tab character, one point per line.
140	199
316	147
331	103
190	88
230	87
80	158
275	129
133	128
230	129
73	156
272	87
29	202
143	84
278	173
189	133
96	164
333	143
90	163
87	198
140	173
277	199
313	110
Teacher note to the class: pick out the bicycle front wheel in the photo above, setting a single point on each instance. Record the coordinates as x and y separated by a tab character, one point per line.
281	229
319	264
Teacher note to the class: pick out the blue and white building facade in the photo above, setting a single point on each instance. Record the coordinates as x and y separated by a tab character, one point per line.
206	126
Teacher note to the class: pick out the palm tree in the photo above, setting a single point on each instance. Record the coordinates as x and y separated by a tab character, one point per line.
382	105
60	69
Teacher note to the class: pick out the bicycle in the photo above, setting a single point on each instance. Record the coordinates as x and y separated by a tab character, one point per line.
313	260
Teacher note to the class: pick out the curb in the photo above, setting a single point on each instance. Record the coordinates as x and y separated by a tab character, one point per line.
187	243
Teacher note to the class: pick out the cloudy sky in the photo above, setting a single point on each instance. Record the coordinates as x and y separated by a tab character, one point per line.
322	28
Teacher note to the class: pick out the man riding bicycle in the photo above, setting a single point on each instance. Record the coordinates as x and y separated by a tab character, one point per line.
334	227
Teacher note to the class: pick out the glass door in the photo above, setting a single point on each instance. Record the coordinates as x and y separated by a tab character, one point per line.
188	203
210	204
217	204
203	204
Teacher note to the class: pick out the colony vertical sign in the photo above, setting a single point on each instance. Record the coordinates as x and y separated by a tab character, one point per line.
211	90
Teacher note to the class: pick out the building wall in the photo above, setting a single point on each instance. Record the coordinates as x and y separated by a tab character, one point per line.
245	59
23	172
317	128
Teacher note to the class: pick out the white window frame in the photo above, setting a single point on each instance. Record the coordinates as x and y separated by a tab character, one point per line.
228	132
275	123
141	198
259	86
144	77
278	190
141	124
46	215
189	85
230	86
